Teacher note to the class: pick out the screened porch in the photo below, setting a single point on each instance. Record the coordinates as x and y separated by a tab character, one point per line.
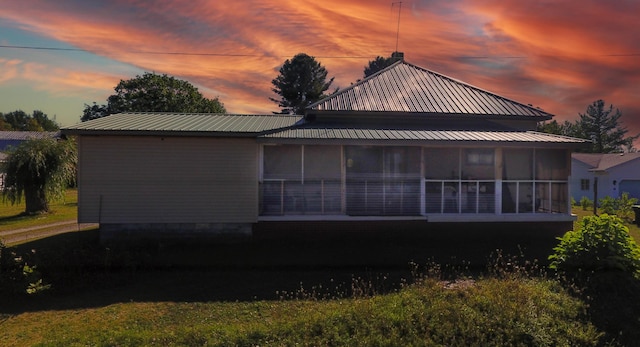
298	180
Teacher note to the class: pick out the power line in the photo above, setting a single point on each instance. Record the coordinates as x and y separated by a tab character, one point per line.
169	53
324	57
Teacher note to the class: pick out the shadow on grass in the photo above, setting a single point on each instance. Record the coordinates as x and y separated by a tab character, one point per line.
84	273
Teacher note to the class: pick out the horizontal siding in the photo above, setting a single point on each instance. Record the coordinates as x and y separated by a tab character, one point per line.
167	180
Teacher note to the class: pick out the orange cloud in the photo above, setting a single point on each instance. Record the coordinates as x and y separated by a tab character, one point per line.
560	56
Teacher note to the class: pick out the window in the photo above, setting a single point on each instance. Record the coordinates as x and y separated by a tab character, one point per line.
585	184
479	156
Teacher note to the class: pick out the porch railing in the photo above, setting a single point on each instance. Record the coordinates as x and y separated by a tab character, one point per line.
411	196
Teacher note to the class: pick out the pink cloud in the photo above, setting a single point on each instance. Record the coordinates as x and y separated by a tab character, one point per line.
555	55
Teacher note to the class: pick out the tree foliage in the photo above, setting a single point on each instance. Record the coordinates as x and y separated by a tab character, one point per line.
301	82
154	93
566	129
39	170
601	243
378	64
21	121
602	126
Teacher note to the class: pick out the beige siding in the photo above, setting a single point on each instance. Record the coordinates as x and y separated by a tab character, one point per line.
148	179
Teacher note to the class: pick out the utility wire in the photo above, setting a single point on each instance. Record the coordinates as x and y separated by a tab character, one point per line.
167	53
324	57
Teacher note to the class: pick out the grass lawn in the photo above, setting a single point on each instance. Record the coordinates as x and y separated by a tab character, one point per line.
12	217
180	296
634	230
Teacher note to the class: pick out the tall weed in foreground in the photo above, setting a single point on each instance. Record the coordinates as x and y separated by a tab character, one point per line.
19	274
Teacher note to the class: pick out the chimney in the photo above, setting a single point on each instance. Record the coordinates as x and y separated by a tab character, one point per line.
397	55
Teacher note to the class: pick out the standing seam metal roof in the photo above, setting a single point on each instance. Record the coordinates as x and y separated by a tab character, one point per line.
421	135
185	122
403	87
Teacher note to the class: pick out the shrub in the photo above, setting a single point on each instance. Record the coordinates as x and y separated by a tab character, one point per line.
586	203
625	207
16	275
608	205
602	243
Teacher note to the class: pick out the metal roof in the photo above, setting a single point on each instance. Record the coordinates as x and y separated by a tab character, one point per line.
423	135
406	88
151	123
26	135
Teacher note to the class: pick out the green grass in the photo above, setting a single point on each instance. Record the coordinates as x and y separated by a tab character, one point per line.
152	296
12	217
634	230
489	312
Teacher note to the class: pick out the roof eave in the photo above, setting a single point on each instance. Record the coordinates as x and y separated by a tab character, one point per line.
97	132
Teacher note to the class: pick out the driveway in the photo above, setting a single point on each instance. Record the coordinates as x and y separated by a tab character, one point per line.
10	237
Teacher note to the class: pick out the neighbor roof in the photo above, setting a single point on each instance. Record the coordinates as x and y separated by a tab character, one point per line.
604	161
182	124
26	135
406	88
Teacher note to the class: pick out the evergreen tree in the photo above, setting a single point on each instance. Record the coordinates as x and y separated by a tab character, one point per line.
380	63
301	82
602	126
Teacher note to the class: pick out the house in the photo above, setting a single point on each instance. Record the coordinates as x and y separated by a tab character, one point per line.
616	173
15	138
406	146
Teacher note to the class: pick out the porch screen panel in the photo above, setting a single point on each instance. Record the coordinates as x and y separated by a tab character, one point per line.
322	179
383	180
442	175
282	180
517	187
364	180
551	164
477	180
442	163
401	181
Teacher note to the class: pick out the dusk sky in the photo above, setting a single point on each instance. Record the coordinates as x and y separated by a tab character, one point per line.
557	55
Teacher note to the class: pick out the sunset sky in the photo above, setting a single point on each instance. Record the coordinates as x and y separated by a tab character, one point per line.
557	55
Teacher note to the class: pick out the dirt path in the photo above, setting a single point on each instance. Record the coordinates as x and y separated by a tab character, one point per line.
26	234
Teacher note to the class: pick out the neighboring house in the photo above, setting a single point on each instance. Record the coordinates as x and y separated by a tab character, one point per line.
616	173
15	138
405	146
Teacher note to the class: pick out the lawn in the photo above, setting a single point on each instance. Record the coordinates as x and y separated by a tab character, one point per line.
169	295
12	217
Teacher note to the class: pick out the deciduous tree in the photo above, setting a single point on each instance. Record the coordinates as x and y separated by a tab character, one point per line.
301	82
39	170
21	121
154	93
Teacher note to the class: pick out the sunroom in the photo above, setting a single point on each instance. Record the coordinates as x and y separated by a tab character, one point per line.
429	182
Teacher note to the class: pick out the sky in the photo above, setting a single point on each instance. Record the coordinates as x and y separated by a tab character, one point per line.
560	56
